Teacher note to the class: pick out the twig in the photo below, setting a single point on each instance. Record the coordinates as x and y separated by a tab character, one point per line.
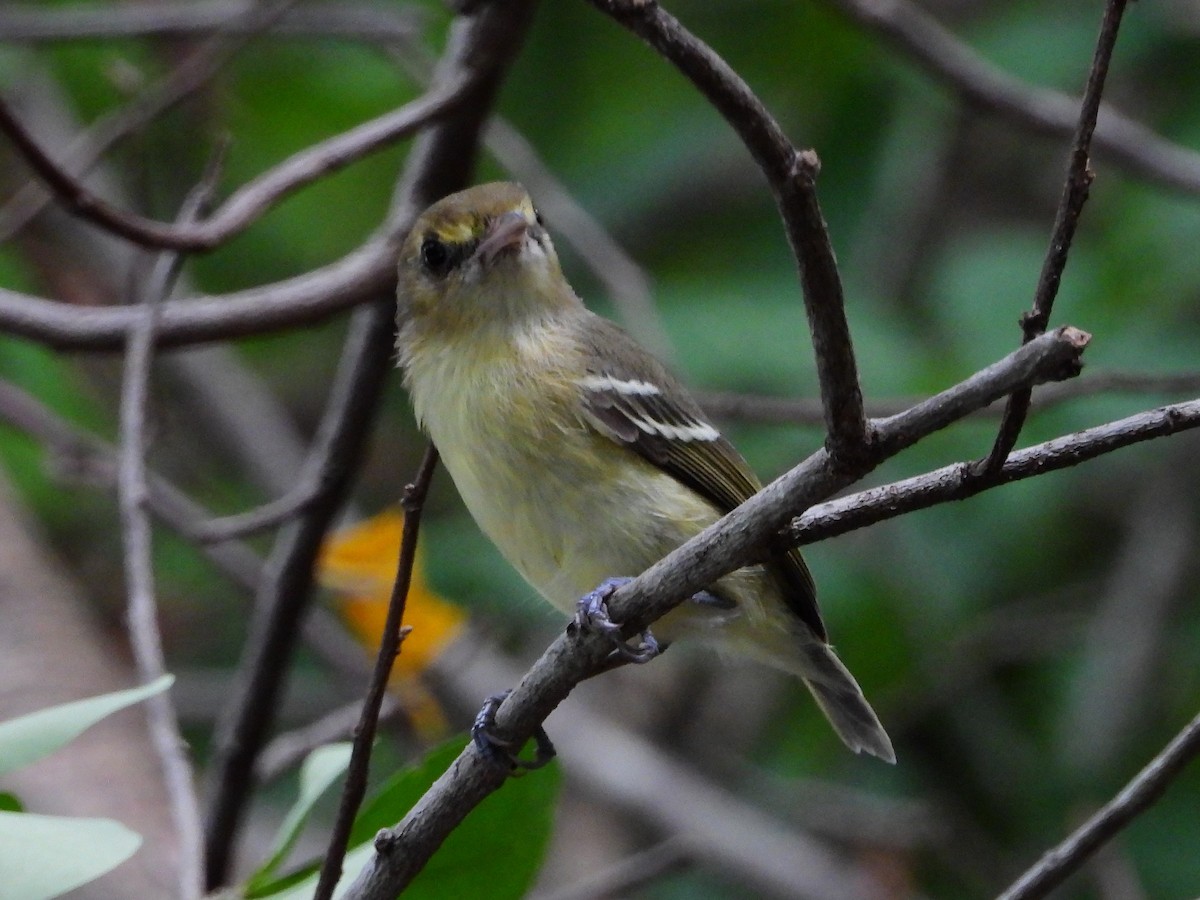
954	482
1136	797
226	528
792	177
478	52
192	73
251	200
1127	143
319	20
284	594
355	786
401	852
1074	195
142	612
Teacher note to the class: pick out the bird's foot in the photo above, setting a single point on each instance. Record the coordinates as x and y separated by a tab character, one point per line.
591	614
500	752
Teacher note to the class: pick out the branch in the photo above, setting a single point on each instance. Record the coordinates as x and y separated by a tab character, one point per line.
954	482
293	302
792	177
401	852
253	199
319	20
355	786
142	611
1074	195
194	71
1136	797
1127	143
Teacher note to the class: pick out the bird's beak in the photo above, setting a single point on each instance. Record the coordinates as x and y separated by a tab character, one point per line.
504	231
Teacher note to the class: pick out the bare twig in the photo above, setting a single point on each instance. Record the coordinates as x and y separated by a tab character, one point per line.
1074	195
1127	143
253	199
226	528
355	786
191	74
362	21
954	482
792	176
1137	796
402	851
133	492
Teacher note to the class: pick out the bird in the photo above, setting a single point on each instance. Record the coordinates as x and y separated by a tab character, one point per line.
577	452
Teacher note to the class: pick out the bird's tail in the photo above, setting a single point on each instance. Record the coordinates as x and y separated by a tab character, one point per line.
842	701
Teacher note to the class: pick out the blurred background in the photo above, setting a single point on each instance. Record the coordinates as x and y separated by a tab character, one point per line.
1028	650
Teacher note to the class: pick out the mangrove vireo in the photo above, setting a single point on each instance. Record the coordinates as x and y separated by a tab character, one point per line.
577	453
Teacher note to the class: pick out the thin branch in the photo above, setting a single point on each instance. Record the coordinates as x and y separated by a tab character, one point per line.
1070	206
294	302
355	787
269	515
360	21
197	69
142	611
1135	798
284	594
1128	143
792	176
254	198
807	411
402	851
478	52
954	482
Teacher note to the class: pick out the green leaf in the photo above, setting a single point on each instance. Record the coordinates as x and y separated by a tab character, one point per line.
10	803
495	853
30	737
320	770
46	856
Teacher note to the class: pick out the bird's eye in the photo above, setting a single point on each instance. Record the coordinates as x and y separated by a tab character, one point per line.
435	256
537	215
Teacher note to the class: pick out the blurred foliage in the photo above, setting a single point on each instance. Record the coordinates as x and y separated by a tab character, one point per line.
940	218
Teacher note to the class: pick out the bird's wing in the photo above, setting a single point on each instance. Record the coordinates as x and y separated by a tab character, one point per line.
631	399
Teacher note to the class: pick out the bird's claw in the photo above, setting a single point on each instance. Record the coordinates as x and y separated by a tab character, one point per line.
591	614
501	752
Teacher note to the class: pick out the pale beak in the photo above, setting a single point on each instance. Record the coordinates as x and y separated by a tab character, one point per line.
503	232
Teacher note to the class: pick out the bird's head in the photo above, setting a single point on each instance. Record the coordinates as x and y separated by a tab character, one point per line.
477	258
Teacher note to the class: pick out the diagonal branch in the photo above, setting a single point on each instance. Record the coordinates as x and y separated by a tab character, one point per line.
792	177
1128	143
1137	796
402	851
355	786
253	199
954	482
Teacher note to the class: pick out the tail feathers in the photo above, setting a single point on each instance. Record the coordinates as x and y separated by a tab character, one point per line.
842	701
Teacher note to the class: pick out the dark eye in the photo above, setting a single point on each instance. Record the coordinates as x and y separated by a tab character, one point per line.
537	215
435	256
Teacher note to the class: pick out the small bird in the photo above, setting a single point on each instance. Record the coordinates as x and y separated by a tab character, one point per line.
575	450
